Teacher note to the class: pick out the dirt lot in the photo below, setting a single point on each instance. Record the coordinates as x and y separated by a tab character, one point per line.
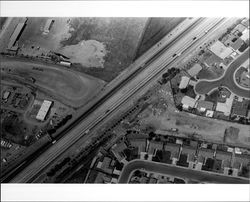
111	44
74	89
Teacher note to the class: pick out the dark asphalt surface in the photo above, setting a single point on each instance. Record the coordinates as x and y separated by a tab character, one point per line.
203	87
193	175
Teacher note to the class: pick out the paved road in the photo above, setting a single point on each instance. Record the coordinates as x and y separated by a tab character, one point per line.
227	80
178	172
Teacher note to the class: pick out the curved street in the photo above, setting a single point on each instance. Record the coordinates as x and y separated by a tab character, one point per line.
205	86
183	173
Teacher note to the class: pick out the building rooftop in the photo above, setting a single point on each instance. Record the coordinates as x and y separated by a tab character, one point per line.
245	22
237	44
206	153
206	105
240	108
188	102
190	152
153	146
140	143
239	27
245	35
219	49
173	148
194	70
184	82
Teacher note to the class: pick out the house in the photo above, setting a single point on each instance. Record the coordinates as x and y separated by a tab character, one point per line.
195	70
139	143
118	149
203	105
184	82
219	49
237	44
240	109
225	157
245	22
174	149
204	154
188	102
154	146
105	165
245	35
225	107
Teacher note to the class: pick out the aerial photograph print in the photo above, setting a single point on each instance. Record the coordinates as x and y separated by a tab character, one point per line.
125	100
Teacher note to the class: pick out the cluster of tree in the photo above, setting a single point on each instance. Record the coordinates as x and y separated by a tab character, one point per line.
171	73
60	124
57	167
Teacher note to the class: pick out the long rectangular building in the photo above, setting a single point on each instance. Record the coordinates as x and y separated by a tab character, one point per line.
43	111
14	37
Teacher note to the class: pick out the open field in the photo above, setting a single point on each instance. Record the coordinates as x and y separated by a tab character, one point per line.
154	31
209	129
106	45
74	89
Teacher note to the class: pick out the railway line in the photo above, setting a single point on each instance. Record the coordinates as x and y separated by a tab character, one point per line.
157	67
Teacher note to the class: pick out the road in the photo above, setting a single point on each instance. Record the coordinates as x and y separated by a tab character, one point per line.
127	75
154	68
227	80
184	173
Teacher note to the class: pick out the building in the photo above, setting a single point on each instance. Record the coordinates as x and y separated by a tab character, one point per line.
65	63
154	146
118	149
184	82
6	95
48	26
43	111
225	158
105	165
241	160
245	35
203	105
219	49
140	144
194	70
204	154
14	37
245	22
239	28
240	109
225	107
188	102
237	44
209	113
174	150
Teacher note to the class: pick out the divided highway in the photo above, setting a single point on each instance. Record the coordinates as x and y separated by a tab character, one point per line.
157	65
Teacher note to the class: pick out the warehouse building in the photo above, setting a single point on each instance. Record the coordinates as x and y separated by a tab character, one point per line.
48	26
43	111
14	37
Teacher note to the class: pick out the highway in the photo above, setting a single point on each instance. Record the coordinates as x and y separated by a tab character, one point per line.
155	68
112	87
227	80
184	173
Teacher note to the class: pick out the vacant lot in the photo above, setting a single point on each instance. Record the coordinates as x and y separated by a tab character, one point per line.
74	89
103	47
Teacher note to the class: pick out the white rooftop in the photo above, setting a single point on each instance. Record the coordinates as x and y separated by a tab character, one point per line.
188	102
184	82
220	50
